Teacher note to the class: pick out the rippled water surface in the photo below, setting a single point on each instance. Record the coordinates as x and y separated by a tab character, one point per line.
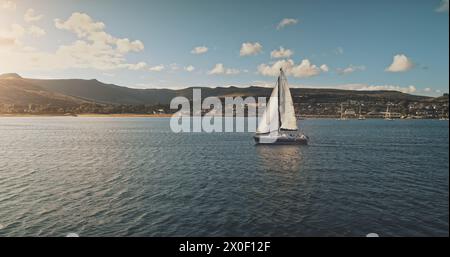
134	177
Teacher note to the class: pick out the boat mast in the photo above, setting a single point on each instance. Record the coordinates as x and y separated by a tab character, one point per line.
279	98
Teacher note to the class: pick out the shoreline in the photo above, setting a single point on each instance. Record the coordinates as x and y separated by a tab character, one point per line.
135	115
118	115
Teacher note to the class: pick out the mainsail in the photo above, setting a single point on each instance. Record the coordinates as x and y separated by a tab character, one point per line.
288	120
269	121
279	113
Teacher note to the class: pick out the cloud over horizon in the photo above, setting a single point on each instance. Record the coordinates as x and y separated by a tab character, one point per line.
94	48
77	39
219	69
350	69
365	87
400	63
157	68
353	86
281	53
249	48
87	29
303	70
12	36
136	66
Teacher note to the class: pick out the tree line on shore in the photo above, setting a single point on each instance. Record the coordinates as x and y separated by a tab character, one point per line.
312	107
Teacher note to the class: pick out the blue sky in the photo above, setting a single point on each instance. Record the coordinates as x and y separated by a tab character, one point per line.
401	45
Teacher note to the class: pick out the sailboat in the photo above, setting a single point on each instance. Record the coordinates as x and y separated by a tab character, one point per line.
278	124
387	114
343	117
361	117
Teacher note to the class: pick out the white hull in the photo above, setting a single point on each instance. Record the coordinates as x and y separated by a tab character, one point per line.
281	139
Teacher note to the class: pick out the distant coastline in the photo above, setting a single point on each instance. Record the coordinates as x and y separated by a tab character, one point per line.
119	115
168	115
21	97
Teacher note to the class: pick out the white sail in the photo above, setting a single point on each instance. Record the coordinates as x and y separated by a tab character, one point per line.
269	121
279	115
287	112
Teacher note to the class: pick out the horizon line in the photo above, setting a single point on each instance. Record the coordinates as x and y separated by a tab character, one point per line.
293	86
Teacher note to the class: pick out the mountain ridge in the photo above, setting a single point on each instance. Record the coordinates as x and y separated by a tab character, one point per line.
79	91
10	76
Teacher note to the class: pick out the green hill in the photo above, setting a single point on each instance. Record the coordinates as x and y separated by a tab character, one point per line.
15	90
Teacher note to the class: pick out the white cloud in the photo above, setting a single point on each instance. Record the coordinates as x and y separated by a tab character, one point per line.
281	53
94	49
302	70
443	7
88	29
199	50
84	26
8	5
82	54
324	68
427	89
364	87
31	16
11	37
249	48
286	22
136	66
400	63
189	68
36	31
17	31
356	86
104	50
124	45
219	68
350	69
157	68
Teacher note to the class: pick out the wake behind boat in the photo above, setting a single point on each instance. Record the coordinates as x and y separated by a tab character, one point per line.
278	124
